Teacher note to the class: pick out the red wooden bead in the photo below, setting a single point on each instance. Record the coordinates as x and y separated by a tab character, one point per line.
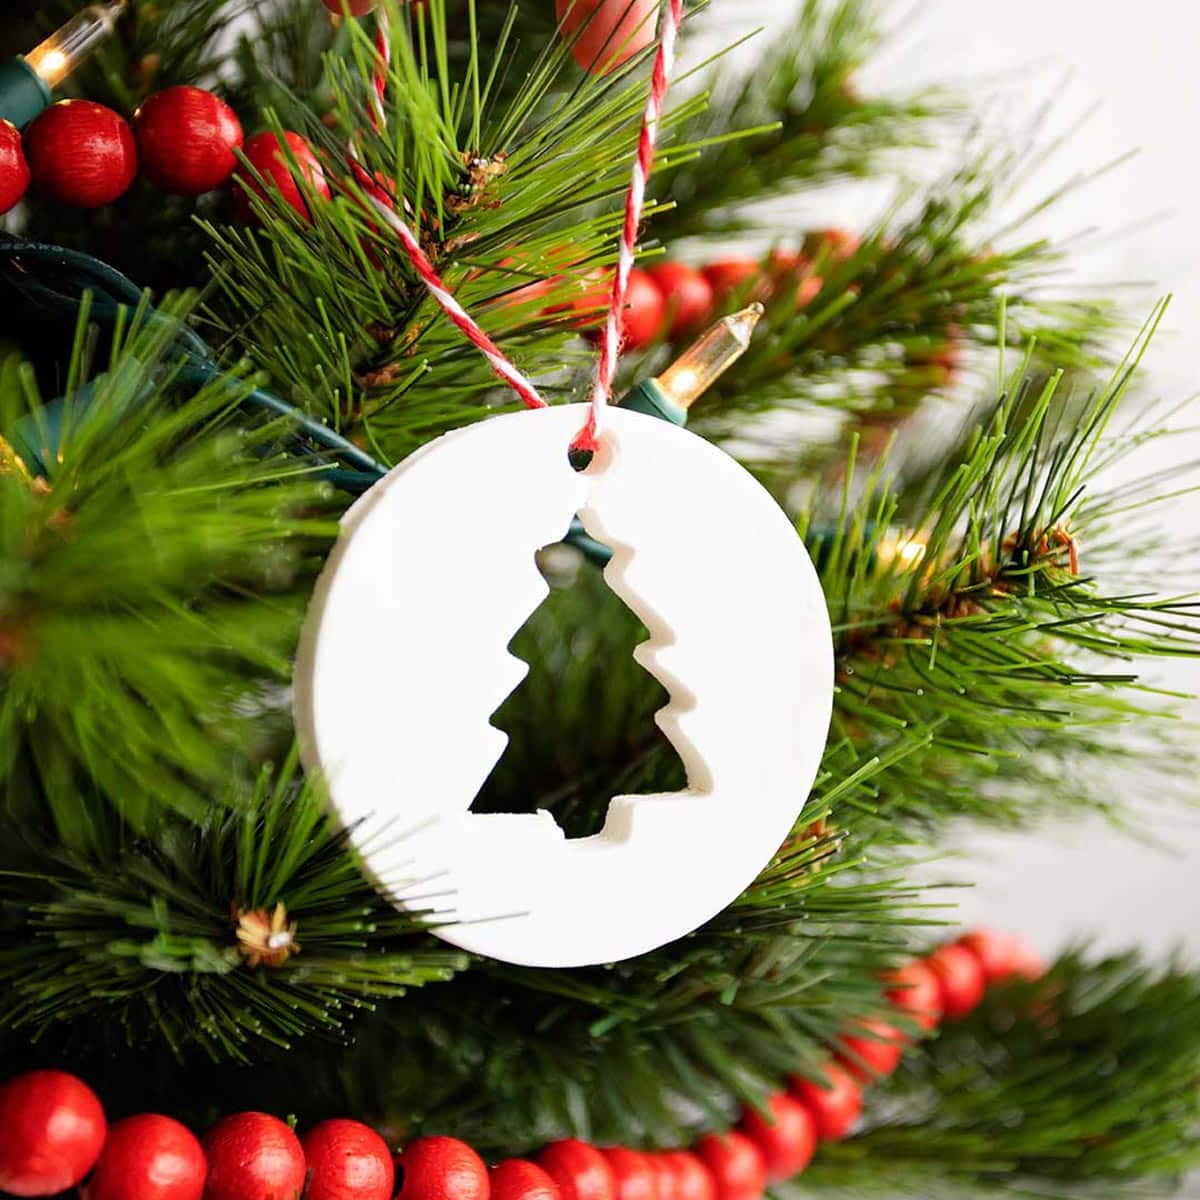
186	138
520	1179
14	170
837	244
441	1168
580	1170
611	32
664	1177
1028	963
785	1134
644	307
791	268
916	992
873	1052
732	276
808	289
266	155
253	1156
148	1157
1003	955
947	354
347	1160
81	153
52	1129
736	1164
693	1180
633	1175
960	978
687	296
357	8
835	1108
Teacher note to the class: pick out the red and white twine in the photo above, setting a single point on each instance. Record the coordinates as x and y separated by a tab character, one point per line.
635	200
383	66
455	311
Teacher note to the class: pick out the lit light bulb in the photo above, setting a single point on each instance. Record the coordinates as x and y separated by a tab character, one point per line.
671	395
26	82
689	377
67	48
901	551
673	392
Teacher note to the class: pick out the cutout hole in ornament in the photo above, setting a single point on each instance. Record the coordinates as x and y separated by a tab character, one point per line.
582	639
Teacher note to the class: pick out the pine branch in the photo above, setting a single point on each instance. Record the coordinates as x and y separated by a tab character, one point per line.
144	939
994	628
156	574
1087	1084
813	123
877	331
335	313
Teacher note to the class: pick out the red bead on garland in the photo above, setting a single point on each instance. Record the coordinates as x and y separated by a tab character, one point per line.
81	153
916	992
693	1180
356	8
665	1186
186	138
960	977
644	308
785	1134
687	296
148	1157
253	1156
14	170
736	1164
520	1179
835	1105
52	1129
633	1175
1003	955
872	1053
610	32
580	1170
732	276
347	1160
441	1168
267	156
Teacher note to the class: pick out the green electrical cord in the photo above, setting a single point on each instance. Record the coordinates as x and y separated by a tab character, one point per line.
54	280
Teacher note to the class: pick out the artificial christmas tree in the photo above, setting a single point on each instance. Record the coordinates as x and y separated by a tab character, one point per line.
421	231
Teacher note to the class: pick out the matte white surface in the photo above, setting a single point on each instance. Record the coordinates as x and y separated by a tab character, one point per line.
405	660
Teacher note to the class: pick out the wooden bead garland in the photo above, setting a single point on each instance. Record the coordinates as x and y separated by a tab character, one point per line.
53	1130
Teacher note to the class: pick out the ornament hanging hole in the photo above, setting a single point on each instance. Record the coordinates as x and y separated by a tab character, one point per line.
591	459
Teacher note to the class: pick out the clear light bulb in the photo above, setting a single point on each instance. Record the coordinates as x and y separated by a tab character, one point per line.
902	551
63	51
702	364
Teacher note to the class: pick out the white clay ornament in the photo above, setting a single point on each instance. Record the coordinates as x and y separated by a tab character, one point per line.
405	659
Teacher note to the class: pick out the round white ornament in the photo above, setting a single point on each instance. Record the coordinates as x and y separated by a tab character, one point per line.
405	659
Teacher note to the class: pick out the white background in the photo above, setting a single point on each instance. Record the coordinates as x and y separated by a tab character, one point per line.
1141	64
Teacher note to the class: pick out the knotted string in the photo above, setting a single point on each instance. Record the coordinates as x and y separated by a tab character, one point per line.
635	199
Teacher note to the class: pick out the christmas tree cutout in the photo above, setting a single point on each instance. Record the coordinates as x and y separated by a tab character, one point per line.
579	646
